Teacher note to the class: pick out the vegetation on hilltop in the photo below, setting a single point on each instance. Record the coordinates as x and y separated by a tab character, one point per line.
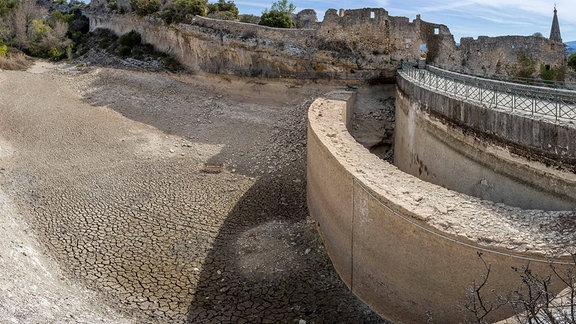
180	11
572	61
223	9
280	15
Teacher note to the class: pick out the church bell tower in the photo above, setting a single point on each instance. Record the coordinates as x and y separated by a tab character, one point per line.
555	31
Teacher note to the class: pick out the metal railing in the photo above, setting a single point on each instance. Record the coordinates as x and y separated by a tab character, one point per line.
556	104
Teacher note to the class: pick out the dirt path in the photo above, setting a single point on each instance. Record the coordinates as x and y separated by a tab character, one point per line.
109	169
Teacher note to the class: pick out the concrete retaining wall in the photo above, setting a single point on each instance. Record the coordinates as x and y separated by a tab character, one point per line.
383	229
540	136
434	151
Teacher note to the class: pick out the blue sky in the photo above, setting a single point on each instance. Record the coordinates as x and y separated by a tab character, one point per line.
464	18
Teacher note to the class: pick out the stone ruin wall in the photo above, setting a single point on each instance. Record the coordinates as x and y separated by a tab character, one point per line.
502	55
349	44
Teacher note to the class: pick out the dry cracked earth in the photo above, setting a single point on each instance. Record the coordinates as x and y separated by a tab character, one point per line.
156	198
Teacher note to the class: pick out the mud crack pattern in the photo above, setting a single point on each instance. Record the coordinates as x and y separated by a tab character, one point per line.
124	207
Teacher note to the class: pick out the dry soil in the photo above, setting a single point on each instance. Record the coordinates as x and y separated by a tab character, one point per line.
149	197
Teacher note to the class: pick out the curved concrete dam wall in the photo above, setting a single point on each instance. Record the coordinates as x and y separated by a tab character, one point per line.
407	247
435	148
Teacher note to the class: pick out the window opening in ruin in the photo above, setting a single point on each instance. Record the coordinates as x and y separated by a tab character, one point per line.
372	15
436	31
513	46
423	48
547	67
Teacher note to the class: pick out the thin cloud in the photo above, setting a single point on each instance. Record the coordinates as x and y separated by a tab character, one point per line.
463	17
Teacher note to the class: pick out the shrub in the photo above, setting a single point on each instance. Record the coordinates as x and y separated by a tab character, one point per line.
55	54
178	10
275	18
223	9
280	15
14	61
3	50
145	7
112	5
547	72
572	61
124	50
7	5
130	39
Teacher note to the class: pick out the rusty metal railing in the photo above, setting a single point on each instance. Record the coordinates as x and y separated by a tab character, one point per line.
539	102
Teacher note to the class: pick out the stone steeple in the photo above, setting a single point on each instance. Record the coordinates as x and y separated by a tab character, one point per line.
555	32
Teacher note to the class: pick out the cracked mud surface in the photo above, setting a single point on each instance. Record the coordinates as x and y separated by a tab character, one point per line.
110	214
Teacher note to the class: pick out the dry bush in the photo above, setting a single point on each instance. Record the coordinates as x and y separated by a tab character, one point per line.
15	61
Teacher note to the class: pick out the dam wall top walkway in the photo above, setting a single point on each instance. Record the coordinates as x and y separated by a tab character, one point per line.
537	122
555	105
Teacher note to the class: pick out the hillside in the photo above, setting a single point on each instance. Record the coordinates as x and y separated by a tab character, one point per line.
571	47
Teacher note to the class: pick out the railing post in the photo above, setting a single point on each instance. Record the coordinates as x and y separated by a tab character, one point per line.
557	101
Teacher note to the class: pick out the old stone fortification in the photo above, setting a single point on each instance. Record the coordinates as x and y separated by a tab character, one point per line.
349	44
406	246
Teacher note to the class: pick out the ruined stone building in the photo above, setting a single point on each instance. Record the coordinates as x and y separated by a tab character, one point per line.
349	44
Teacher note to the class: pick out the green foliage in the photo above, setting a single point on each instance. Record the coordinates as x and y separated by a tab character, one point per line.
7	5
125	50
59	16
40	29
130	39
178	10
283	6
128	42
572	61
145	7
55	54
3	50
547	73
280	15
223	9
112	5
275	18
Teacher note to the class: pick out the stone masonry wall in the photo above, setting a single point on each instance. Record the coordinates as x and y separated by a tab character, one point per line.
507	55
349	44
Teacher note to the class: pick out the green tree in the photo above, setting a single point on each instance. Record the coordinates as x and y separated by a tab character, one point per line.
223	10
280	15
178	10
274	18
283	6
572	61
